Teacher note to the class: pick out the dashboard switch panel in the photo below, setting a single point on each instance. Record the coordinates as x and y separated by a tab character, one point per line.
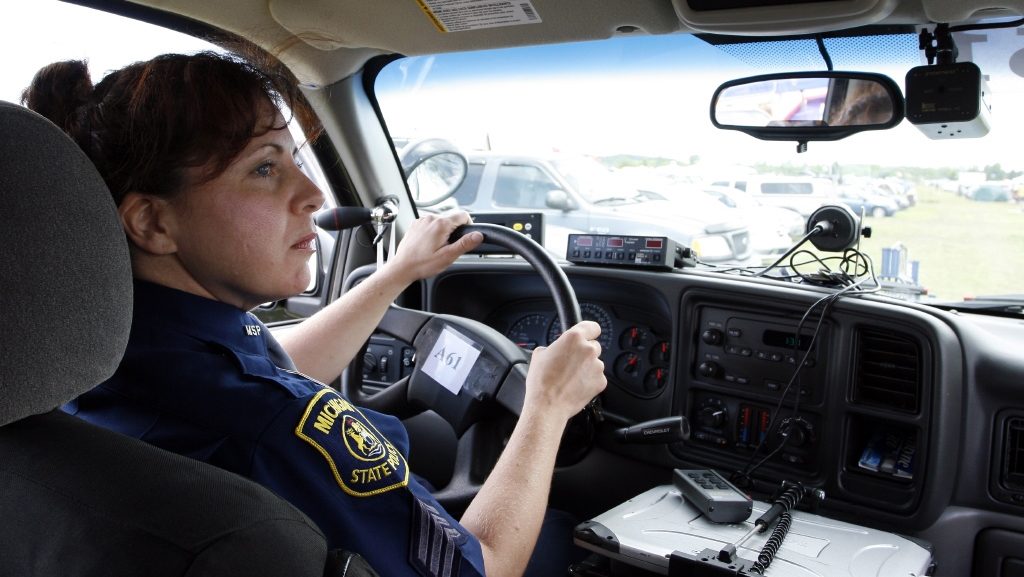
741	427
385	361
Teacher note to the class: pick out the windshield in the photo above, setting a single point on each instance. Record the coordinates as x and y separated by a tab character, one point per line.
945	216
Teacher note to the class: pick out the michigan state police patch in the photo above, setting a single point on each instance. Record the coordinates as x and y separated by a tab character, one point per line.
363	461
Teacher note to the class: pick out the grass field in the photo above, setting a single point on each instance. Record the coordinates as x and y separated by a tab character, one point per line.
966	248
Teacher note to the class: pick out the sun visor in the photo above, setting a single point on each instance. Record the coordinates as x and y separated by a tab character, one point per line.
780	17
414	27
961	11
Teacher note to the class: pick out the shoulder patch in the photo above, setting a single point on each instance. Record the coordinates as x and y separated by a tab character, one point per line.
363	461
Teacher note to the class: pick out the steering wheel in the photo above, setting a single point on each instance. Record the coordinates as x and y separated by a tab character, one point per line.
465	369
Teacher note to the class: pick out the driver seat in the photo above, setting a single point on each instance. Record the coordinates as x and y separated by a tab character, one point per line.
76	499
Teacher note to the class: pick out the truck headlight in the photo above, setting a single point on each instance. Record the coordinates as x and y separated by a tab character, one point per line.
712	248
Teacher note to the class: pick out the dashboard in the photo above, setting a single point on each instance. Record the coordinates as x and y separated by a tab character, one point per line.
905	415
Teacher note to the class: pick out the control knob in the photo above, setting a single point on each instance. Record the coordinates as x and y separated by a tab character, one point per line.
709	369
711	417
798	431
712	337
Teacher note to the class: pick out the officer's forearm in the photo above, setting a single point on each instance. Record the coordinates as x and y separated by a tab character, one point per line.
507	513
324	344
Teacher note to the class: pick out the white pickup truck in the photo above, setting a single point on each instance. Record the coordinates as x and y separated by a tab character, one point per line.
579	195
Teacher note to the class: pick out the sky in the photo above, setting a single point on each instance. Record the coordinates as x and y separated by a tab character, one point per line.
69	28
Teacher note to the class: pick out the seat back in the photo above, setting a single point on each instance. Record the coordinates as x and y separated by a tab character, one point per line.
76	499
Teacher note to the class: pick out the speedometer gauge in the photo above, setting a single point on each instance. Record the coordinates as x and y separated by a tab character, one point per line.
590	312
528	331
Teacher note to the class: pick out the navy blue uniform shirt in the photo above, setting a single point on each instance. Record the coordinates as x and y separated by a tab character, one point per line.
197	380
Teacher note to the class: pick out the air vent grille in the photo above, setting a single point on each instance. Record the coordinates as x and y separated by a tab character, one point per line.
887	371
1013	454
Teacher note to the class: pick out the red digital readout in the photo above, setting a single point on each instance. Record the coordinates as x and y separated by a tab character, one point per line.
614	242
653	243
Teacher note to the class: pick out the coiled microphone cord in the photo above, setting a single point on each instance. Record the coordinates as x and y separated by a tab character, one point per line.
771	547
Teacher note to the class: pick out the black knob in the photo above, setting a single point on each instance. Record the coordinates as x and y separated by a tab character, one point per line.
369	361
712	337
797	431
709	369
711	417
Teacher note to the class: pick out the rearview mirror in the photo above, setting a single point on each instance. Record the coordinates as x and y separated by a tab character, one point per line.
434	169
805	106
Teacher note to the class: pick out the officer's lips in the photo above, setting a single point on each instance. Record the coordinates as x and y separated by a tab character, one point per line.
306	243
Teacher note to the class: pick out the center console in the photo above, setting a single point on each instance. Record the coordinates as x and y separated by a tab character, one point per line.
856	420
744	364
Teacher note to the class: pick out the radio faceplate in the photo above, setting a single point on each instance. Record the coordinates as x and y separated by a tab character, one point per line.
758	354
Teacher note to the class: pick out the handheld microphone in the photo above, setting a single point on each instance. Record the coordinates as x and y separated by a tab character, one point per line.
343	217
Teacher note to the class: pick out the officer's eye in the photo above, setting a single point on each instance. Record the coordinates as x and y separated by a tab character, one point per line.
265	170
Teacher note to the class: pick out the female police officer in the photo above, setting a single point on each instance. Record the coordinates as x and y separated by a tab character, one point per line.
219	219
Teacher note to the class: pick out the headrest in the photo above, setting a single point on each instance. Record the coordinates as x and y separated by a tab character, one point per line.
65	274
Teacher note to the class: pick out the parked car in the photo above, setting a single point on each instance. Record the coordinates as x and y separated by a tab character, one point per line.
868	201
773	229
803	194
991	192
903	192
579	194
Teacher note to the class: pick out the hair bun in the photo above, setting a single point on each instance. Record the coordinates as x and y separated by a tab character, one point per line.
58	90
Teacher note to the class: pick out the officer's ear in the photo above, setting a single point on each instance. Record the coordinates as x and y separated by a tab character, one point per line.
148	222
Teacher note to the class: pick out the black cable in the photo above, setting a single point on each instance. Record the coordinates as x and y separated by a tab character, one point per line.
851	257
829	300
771	547
792	493
749	468
799	243
987	25
824	52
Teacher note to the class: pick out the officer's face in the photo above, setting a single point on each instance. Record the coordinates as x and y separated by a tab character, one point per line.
246	235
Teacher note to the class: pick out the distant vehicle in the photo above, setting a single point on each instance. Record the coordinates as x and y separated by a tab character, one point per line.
868	201
580	194
804	194
773	229
991	192
904	194
968	181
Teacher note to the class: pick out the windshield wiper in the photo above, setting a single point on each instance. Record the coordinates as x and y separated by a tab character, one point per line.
639	197
611	199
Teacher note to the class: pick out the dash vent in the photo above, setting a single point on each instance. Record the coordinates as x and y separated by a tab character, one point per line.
887	371
1013	454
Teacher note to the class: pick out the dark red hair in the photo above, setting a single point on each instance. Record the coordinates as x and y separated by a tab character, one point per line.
147	123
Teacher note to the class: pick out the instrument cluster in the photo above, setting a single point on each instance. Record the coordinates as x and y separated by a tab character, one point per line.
636	355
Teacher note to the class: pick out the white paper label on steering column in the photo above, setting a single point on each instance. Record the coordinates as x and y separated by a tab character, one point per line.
451	359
